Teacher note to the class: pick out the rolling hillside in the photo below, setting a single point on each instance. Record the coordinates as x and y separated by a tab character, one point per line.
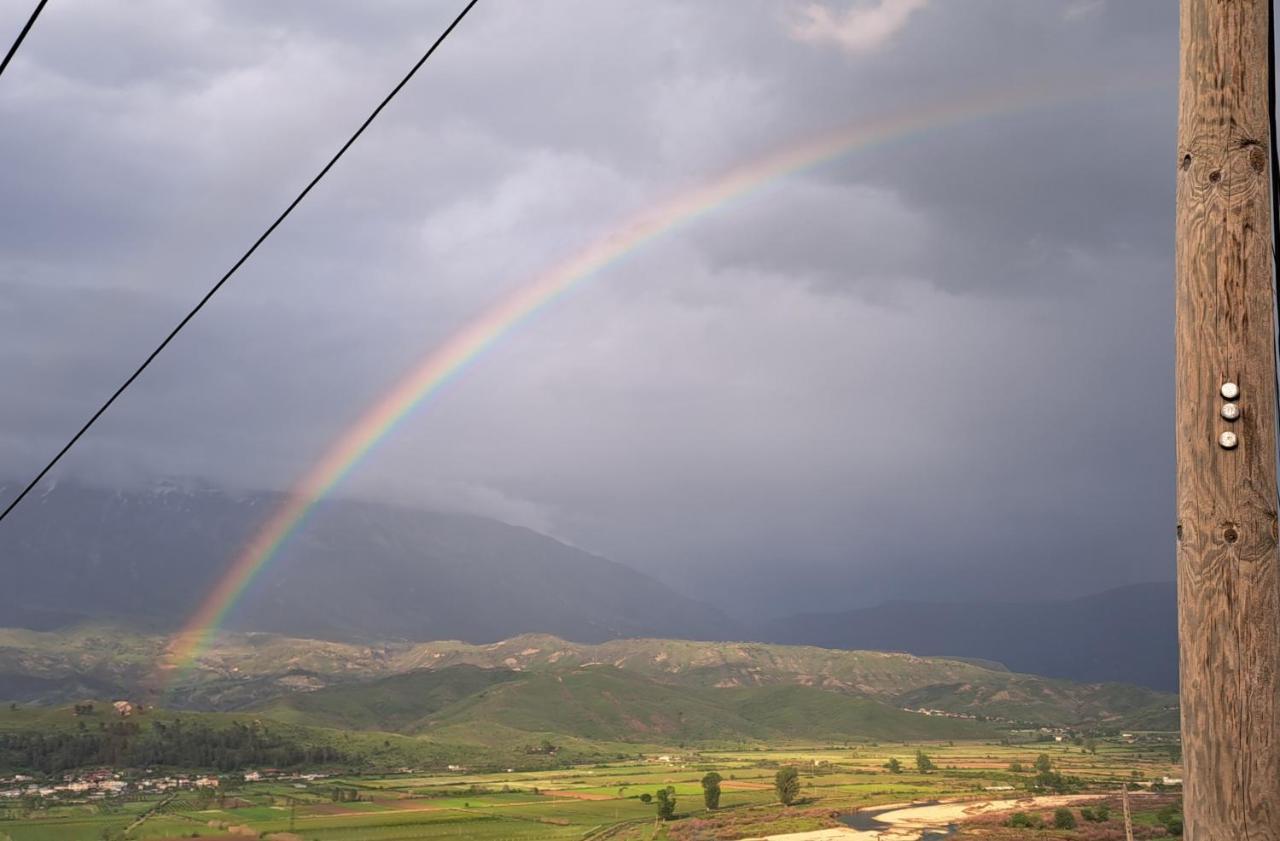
464	704
249	670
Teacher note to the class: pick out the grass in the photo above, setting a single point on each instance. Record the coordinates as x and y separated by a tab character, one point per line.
575	802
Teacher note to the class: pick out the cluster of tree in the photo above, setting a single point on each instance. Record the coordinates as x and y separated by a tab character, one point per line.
178	744
545	748
924	764
1022	820
344	794
666	803
1047	778
1096	814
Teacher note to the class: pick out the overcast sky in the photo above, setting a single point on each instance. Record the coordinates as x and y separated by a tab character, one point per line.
938	368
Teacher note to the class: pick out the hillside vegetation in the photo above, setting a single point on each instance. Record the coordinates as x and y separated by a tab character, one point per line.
258	670
604	703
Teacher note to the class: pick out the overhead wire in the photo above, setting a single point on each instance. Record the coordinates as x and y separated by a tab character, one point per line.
22	36
31	485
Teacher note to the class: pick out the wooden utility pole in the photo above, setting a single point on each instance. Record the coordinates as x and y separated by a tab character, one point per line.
1228	574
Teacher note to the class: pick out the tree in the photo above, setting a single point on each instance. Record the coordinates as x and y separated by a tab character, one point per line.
787	783
894	766
1044	764
1063	819
923	763
1091	745
711	790
646	798
666	803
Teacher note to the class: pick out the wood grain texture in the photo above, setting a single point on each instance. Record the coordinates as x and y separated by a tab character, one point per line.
1228	575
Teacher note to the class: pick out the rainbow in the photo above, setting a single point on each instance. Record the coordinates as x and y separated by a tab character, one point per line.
449	360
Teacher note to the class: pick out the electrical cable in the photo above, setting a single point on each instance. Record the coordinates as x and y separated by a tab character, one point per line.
261	239
8	57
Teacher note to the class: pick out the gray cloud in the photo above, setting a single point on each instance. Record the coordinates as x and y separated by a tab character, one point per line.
937	367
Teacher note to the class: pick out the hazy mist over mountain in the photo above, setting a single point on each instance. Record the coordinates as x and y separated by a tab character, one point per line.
356	571
935	368
367	571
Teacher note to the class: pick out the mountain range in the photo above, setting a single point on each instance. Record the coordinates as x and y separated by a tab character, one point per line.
1126	634
364	571
356	570
541	683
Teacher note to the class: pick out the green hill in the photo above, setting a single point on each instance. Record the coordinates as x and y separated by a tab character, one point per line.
801	712
394	703
600	703
241	671
463	704
49	740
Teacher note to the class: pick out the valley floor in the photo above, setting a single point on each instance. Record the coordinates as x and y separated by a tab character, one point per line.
601	802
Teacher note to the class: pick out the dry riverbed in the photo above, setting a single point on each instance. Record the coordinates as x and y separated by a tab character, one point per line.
910	823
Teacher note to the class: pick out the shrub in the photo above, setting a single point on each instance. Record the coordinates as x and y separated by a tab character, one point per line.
1171	817
1021	820
1063	819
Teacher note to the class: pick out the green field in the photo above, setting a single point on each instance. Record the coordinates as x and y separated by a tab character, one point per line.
588	801
538	738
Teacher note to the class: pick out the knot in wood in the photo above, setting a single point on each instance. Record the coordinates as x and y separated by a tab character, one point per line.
1237	170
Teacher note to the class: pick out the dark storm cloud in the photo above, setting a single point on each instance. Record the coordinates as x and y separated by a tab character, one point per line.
936	367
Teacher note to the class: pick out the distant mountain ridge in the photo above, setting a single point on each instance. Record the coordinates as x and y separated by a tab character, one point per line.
1129	634
357	570
399	681
363	571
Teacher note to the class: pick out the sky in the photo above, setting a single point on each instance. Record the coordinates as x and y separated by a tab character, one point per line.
940	368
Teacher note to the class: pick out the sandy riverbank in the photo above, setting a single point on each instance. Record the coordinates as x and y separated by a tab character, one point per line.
910	822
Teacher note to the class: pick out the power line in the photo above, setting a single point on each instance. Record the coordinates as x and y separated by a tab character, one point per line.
22	36
261	239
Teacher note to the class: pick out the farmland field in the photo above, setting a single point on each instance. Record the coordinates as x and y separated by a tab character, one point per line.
596	801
